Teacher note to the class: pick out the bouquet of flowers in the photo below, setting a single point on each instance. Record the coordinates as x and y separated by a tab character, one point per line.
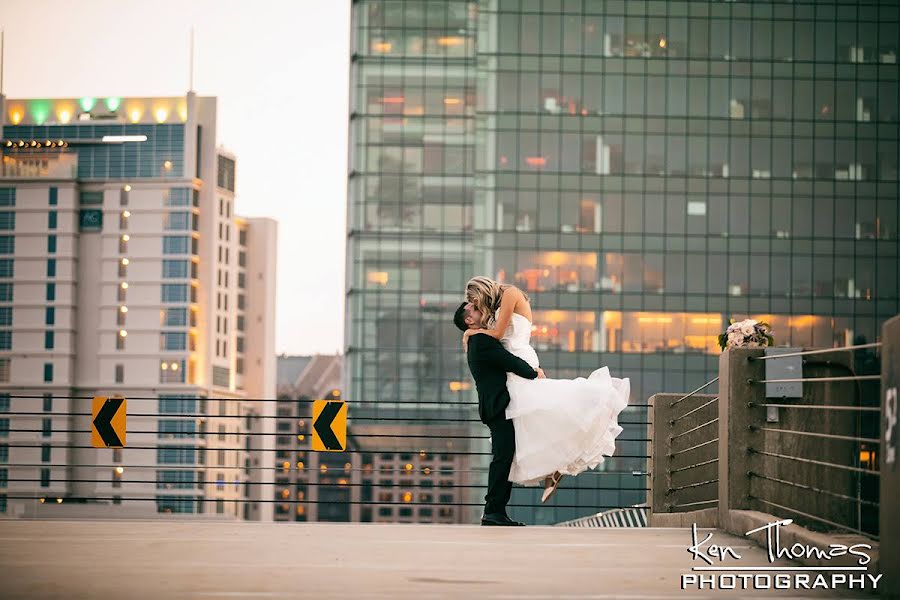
746	334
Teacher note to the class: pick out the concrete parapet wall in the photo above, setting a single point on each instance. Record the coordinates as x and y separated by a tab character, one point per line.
736	419
840	452
889	434
706	518
671	468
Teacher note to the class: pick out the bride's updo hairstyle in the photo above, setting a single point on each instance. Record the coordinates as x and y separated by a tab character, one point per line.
484	293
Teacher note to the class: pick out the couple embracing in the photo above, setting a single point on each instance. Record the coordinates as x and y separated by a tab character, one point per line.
541	428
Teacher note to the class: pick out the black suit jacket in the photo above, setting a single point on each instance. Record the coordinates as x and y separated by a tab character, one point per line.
489	363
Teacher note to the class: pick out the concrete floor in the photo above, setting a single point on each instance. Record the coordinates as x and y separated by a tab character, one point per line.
165	559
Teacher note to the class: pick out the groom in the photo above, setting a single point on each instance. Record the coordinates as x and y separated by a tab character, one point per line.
489	363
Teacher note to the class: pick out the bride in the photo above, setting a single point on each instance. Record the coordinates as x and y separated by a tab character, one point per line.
562	426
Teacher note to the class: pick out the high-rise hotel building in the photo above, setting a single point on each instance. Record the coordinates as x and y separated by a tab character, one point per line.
125	271
645	170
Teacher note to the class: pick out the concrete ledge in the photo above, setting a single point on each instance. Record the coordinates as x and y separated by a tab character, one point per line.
706	518
739	522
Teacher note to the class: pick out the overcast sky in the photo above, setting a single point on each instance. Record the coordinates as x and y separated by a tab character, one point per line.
280	70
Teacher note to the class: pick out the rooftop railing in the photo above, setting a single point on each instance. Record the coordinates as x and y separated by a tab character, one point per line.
427	462
800	442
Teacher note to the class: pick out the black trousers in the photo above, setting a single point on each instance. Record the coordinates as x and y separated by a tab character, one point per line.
503	448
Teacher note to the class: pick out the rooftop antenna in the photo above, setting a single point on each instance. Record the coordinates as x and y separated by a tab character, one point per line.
191	87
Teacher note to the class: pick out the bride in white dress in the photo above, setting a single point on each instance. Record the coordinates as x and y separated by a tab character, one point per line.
563	426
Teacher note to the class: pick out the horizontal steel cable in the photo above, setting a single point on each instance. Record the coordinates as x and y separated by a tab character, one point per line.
690	412
814	517
702	387
412	485
818	407
169	497
694	447
191	436
827	436
815	462
440	470
242	449
813	489
818	379
819	351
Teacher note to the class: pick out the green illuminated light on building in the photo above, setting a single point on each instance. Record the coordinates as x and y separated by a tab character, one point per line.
40	110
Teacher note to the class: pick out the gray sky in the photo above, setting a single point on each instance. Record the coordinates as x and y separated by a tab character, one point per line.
280	69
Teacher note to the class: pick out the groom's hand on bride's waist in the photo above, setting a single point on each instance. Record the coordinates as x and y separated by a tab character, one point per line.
540	373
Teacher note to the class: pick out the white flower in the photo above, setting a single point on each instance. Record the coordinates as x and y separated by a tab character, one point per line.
735	339
747	329
753	344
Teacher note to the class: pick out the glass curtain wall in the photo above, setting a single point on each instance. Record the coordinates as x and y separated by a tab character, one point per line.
411	185
648	170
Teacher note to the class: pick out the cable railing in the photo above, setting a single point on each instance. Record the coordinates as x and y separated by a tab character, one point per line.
416	457
280	470
51	498
685	451
816	379
251	450
699	389
413	404
812	458
162	433
382	420
816	461
817	351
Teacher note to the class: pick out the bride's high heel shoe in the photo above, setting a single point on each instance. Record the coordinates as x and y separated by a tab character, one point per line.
550	485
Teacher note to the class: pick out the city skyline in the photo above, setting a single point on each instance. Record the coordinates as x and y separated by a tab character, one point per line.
473	158
235	241
252	82
595	154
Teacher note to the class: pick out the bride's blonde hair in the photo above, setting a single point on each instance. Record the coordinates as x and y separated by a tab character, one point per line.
484	293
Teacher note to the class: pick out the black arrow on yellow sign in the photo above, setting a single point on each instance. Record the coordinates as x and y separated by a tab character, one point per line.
108	426
329	425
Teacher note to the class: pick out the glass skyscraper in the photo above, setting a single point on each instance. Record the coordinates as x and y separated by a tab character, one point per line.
645	170
412	184
410	246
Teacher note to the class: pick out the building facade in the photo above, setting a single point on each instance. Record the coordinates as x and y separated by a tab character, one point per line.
393	485
126	272
645	171
299	477
410	236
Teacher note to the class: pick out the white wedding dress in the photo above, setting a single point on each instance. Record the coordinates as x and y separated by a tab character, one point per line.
565	425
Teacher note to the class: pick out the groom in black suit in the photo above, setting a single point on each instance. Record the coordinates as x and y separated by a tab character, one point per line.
489	363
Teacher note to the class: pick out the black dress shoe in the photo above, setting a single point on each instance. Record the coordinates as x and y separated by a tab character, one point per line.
495	519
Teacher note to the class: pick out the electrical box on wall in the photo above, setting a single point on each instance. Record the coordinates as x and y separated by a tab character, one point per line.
784	368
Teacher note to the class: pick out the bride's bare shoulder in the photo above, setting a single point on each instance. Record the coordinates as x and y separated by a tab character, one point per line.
515	292
521	305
